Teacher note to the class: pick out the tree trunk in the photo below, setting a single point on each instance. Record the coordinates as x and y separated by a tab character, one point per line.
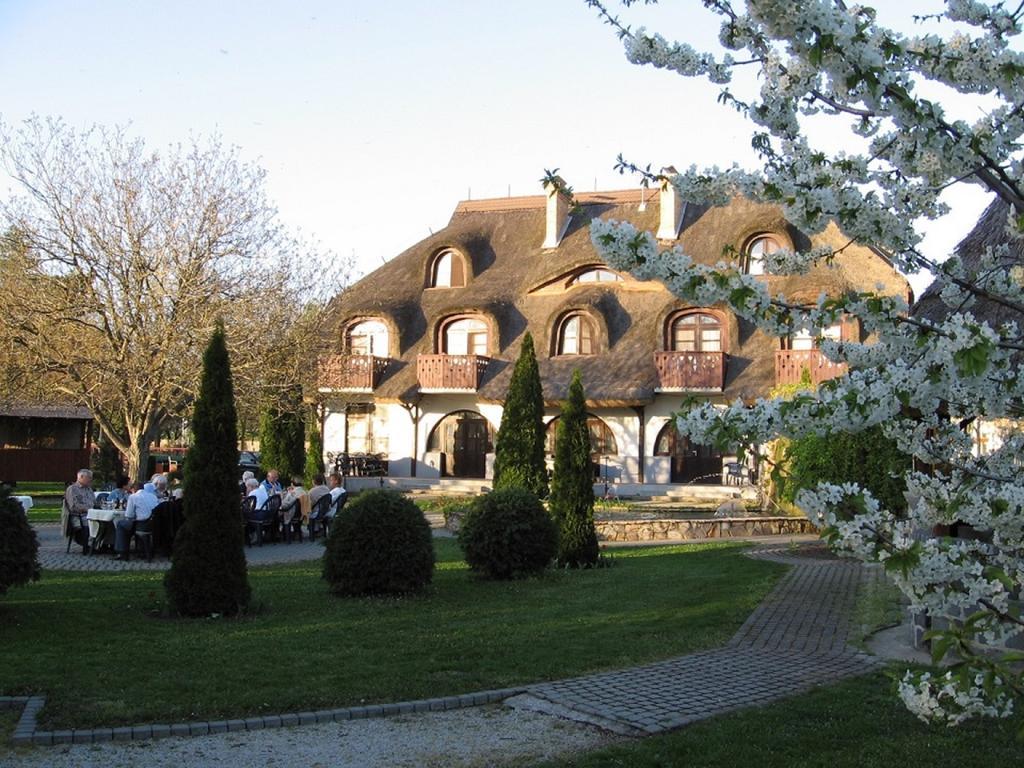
137	458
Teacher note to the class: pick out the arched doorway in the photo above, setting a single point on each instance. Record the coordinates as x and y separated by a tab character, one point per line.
463	438
690	462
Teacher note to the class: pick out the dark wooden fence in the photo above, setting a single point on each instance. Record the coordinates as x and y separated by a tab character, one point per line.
47	465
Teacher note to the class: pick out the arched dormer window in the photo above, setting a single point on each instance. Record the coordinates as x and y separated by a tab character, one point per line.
368	337
464	336
575	335
759	247
695	332
595	275
448	270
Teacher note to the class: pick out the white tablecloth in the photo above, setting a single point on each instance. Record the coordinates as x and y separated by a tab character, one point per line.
97	516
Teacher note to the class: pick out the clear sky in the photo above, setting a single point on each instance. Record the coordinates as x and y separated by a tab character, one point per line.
374	119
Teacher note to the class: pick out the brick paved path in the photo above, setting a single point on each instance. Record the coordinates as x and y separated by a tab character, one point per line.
52	554
795	639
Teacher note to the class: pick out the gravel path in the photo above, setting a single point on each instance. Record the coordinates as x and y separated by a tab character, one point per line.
482	736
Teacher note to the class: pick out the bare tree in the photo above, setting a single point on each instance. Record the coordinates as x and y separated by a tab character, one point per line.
123	259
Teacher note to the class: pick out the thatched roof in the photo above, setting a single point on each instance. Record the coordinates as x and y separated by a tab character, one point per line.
990	231
514	283
44	411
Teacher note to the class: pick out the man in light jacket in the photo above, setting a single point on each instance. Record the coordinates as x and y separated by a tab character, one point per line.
138	516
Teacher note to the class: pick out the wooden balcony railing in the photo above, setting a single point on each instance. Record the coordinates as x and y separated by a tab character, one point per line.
351	373
690	370
790	364
450	372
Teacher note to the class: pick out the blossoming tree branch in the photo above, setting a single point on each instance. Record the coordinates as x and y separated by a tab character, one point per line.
922	380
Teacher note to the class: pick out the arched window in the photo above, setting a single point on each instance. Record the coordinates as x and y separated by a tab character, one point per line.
465	336
695	332
596	275
575	336
757	249
369	337
602	441
447	271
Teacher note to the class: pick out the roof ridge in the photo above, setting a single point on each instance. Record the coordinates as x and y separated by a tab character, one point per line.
527	202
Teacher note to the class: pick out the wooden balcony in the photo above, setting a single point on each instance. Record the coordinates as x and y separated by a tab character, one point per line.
350	373
790	363
450	373
682	371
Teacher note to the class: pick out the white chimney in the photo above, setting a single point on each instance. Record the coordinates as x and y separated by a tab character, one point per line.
671	207
557	213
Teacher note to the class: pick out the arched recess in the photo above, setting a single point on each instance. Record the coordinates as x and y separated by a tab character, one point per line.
465	334
690	462
602	439
368	336
448	269
586	330
463	439
758	246
575	334
696	330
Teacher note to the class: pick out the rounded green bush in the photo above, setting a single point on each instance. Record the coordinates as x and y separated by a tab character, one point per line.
508	534
380	544
19	547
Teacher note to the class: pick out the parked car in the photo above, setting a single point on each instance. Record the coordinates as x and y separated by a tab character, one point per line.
248	461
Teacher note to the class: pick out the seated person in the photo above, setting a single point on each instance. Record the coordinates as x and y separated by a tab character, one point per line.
161	482
337	493
138	515
241	484
319	488
119	496
272	484
297	493
78	500
253	487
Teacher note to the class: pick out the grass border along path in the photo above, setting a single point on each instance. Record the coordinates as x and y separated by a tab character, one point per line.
859	723
96	646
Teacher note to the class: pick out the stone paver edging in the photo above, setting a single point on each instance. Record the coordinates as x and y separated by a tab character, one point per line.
25	731
795	639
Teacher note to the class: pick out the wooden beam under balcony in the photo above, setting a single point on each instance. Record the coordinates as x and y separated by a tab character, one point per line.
450	373
790	365
350	373
682	371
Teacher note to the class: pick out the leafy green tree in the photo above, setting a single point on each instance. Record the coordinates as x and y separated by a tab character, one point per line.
208	574
315	452
19	547
867	458
519	452
572	483
283	434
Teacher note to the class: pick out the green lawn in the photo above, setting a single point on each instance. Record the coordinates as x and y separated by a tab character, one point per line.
95	645
44	512
856	724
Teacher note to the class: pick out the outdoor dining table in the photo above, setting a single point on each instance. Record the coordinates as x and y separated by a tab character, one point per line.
101	525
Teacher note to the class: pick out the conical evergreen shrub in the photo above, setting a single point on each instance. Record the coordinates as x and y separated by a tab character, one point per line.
572	484
315	452
19	547
283	435
519	451
208	574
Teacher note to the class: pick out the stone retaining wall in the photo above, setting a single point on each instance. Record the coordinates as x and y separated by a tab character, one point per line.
712	528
